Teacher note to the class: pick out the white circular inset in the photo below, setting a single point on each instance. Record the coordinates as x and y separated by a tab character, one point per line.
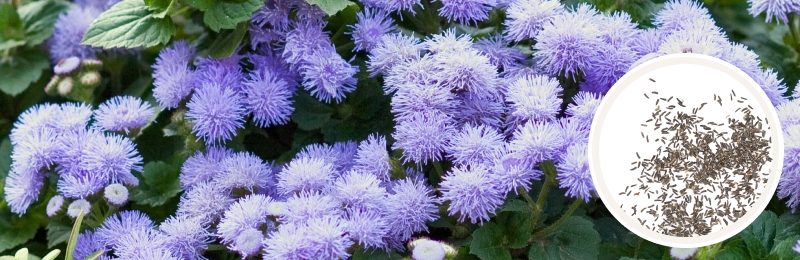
622	138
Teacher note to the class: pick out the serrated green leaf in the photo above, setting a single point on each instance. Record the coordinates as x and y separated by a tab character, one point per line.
228	41
57	233
157	184
203	5
764	229
575	239
518	229
731	253
160	5
39	18
24	69
331	7
130	24
515	205
487	242
755	248
228	14
784	251
309	113
10	23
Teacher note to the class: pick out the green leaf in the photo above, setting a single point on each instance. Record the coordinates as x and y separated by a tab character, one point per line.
39	18
575	239
157	185
309	113
57	233
731	253
228	41
5	159
160	5
754	246
227	14
19	72
331	7
203	5
515	205
764	229
8	44
130	24
518	229
10	23
73	237
95	255
16	230
52	255
784	251
363	254
487	242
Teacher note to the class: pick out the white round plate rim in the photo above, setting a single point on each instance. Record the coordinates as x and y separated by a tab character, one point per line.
636	74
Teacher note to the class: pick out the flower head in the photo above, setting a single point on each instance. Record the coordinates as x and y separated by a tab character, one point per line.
676	12
467	71
368	228
399	5
268	98
68	33
428	250
772	85
525	18
371	25
115	156
535	142
534	98
359	191
55	205
512	174
423	136
327	236
81	184
412	99
327	76
610	63
119	224
123	113
474	144
410	72
700	36
372	157
682	253
78	207
172	75
742	57
473	193
288	242
207	201
215	113
789	184
647	41
478	111
305	174
246	171
583	106
573	172
22	189
66	65
224	73
499	53
777	9
409	207
448	41
86	244
305	206
566	45
304	39
116	194
186	236
789	113
466	11
392	49
244	216
34	119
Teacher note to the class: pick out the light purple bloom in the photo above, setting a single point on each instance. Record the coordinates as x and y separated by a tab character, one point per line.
676	12
467	71
34	119
327	76
22	189
413	99
534	98
473	193
305	206
223	73
700	36
215	113
789	113
270	22
423	136
742	57
359	191
340	155
646	41
566	45
268	98
206	201
142	244
392	49
78	207
535	142
371	25
573	131
499	53
186	236
202	167
789	184
525	18
617	29
409	207
511	173
373	158
34	152
119	224
288	242
777	9
68	33
410	72
583	106
478	110
609	64
305	174
399	5
244	170
303	40
73	117
123	114
268	59
114	156
573	172
466	11
327	236
474	144
247	214
771	84
172	77
368	228
448	41
86	244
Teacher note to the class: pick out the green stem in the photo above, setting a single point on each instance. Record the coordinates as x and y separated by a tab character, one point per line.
338	33
548	230
527	197
346	47
548	181
793	31
439	171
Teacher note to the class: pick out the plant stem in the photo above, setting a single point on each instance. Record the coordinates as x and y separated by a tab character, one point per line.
439	171
527	197
548	230
338	33
793	32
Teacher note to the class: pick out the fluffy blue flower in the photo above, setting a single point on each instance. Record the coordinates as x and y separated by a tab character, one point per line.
186	236
305	206
371	25
119	224
115	157
86	244
474	144
123	114
327	76
270	22
742	57
309	12
448	41
573	172
399	5
409	207
268	59
172	77
610	63
359	191
566	45
535	142
573	131
368	228
617	29
34	152
676	12
305	174
423	136
647	41
534	98
583	106
525	18
777	9
288	242
202	167
466	11
771	84
73	117
410	72
473	193
116	194
244	170
55	205
34	119
392	49
215	113
225	73
22	189
511	173
268	98
340	155
142	244
478	111
789	112
249	213
467	71
412	99
327	236
499	53
373	158
700	36
68	33
303	40
789	184
207	201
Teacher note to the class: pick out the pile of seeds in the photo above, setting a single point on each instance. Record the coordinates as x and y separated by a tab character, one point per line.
698	177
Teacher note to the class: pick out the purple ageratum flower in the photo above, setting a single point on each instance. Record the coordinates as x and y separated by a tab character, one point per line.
114	156
697	36
466	11
340	155
306	11
78	207
34	152
742	57
78	185
72	148
474	144
305	206
269	59
207	201
789	184
392	49
224	73
371	25
202	167
448	41
499	53
617	29
186	236
288	242
573	131
68	33
412	99
566	45
399	5
215	113
268	98
583	106
359	191
55	205
423	136
86	244
249	213
123	113
535	142
22	189
525	18
244	170
303	40
777	9
771	84
789	112
426	249
73	117
467	71
473	193
478	111
647	41
270	22
676	12
512	174
409	207
142	244
171	74
368	228
373	158
328	237
410	72
327	76
305	174
34	119
573	172
610	63
534	98
119	224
